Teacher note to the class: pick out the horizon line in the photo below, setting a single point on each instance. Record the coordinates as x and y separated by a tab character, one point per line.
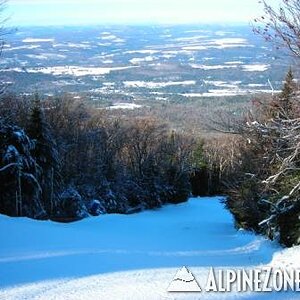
158	24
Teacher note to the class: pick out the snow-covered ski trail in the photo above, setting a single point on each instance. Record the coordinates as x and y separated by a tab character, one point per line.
130	256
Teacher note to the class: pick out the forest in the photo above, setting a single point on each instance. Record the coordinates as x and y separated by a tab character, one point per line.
62	160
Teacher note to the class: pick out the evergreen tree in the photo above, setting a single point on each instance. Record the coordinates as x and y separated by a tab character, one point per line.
46	155
20	191
286	96
200	175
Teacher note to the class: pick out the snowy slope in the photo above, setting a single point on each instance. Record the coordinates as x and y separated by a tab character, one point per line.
130	257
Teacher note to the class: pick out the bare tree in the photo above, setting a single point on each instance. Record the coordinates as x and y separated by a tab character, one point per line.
281	25
3	19
3	32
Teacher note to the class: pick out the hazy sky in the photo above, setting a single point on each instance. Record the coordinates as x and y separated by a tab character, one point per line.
65	12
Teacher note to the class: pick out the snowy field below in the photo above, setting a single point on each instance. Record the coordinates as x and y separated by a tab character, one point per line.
132	256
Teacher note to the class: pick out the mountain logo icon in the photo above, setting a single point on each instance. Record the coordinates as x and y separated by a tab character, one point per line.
184	281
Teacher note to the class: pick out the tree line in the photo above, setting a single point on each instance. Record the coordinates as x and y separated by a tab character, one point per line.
262	176
264	184
62	160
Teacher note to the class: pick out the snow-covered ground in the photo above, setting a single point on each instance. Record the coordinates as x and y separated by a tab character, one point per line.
124	106
131	256
156	85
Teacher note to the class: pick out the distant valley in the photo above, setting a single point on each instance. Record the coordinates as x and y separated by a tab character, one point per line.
136	65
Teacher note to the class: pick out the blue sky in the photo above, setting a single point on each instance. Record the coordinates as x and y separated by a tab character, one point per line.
69	12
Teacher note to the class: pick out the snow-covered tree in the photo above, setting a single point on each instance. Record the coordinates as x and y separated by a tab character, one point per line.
20	191
46	155
266	196
71	206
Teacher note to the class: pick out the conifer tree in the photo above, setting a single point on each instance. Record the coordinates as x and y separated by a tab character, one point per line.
46	155
282	105
285	97
19	187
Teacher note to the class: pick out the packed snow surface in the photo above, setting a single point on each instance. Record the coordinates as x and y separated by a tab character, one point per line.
131	256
